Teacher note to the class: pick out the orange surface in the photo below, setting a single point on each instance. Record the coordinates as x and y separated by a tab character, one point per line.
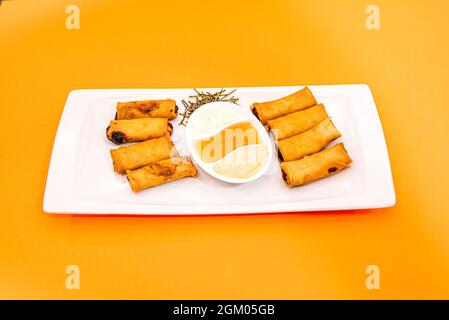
146	44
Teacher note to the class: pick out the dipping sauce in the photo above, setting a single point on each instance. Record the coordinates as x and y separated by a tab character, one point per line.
209	120
243	163
226	141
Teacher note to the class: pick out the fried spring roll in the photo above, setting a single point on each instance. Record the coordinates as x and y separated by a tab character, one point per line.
142	153
161	172
122	131
297	101
297	122
308	142
316	166
147	109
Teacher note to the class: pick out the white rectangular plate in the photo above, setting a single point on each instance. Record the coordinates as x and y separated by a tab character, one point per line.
81	178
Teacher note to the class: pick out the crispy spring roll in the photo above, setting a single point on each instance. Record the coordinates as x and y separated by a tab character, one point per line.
147	109
297	101
297	122
316	166
122	131
308	142
161	172
142	153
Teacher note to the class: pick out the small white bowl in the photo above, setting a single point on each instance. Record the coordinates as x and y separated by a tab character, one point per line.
232	114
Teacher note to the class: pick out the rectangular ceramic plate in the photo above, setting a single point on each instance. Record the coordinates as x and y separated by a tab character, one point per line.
81	178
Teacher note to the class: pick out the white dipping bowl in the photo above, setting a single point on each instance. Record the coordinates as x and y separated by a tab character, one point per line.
229	114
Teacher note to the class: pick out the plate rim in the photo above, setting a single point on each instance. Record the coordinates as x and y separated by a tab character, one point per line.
57	193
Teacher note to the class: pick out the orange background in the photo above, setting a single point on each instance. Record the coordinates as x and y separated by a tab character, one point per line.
155	44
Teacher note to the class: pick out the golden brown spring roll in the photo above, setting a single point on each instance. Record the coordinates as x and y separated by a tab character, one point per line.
308	142
316	166
142	153
147	109
122	131
297	122
297	101
161	172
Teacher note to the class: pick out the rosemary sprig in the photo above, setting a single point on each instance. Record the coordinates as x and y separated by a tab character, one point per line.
203	97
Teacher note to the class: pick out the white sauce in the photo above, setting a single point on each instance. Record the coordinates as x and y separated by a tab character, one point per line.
243	162
211	120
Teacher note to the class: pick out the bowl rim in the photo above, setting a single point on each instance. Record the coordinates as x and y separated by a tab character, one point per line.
248	116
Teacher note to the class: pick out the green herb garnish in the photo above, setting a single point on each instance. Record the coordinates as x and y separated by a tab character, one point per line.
203	97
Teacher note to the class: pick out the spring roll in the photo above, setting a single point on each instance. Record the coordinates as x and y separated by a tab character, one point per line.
308	142
142	153
147	109
297	101
122	131
297	122
161	172
316	166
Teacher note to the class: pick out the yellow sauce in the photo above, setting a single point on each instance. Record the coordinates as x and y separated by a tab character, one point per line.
229	139
243	163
